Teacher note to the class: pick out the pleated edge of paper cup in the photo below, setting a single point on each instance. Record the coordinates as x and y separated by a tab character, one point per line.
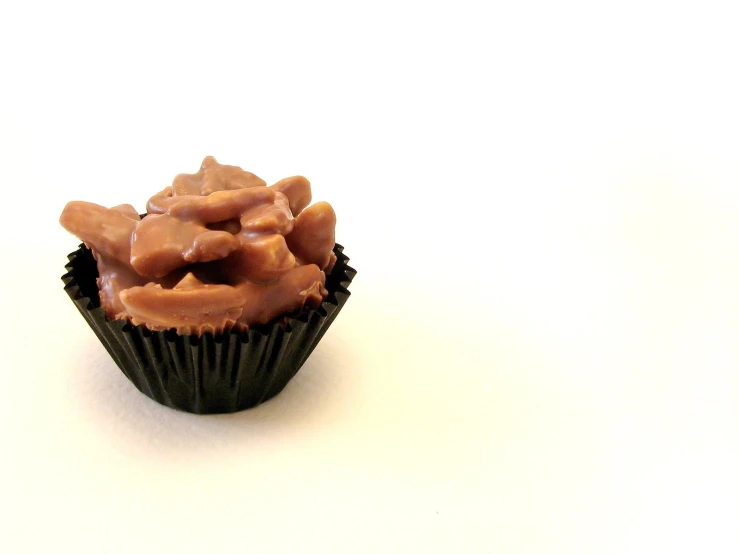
222	373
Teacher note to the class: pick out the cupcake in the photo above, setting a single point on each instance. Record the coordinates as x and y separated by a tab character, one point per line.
213	300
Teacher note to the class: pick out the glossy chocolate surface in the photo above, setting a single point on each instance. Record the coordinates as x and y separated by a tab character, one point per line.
218	249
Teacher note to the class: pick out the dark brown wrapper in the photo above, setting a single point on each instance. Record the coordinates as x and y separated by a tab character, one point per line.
210	374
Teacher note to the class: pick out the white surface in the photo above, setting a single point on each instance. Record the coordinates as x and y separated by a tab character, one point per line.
540	353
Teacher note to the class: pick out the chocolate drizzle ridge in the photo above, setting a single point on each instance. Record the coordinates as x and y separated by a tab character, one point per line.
211	373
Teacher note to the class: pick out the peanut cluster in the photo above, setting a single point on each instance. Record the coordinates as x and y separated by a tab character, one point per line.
217	249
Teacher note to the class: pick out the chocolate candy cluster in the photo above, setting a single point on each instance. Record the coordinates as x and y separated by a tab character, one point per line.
217	249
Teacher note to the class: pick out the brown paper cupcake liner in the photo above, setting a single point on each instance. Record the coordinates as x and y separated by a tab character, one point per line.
220	373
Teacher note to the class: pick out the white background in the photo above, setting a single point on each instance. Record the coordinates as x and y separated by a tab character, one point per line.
540	353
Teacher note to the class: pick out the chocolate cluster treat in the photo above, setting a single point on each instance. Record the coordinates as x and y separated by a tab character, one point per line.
217	250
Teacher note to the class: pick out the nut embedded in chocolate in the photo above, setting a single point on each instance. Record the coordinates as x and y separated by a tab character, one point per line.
219	249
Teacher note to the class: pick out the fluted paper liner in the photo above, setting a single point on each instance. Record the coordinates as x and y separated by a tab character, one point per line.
220	373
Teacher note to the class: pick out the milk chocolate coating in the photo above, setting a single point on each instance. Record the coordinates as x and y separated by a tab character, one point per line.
313	237
213	177
107	231
218	249
163	243
191	306
297	190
